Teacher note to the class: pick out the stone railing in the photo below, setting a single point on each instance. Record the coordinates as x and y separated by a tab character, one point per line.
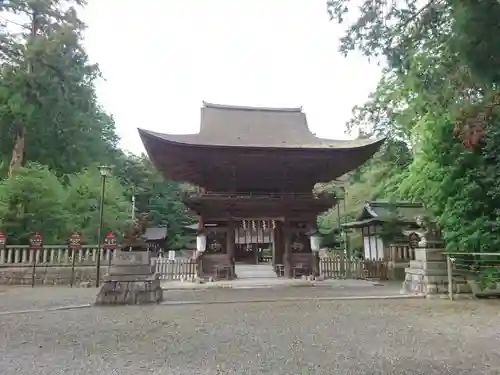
19	255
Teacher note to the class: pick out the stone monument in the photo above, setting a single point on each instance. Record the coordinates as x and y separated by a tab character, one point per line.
428	274
131	279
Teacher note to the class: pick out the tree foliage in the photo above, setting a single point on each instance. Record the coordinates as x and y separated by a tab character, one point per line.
153	194
439	96
32	201
47	87
83	204
48	98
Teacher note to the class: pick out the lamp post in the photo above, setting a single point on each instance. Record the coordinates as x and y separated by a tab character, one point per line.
104	170
344	232
133	207
346	245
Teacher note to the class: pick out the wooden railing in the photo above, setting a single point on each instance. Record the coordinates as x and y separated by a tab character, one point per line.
401	253
12	256
60	255
264	196
339	268
330	268
179	269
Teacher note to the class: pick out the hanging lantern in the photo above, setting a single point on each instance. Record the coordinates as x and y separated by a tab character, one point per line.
201	242
315	240
244	224
254	226
264	224
274	224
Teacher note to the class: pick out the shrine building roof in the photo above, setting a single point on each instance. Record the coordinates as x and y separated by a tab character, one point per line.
256	149
259	127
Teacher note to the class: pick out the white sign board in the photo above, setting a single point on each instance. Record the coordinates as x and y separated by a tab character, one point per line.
171	255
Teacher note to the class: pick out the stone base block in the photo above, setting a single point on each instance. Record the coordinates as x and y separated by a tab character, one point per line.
426	255
434	266
134	277
428	272
418	283
130	292
134	269
53	275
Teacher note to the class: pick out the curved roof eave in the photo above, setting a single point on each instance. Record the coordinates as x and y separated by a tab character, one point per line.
193	140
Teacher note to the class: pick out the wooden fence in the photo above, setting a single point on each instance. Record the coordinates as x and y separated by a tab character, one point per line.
330	268
179	269
60	255
340	268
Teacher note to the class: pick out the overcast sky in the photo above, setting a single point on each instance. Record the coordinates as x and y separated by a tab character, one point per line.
162	58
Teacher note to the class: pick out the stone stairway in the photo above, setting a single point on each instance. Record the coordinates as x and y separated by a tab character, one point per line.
255	271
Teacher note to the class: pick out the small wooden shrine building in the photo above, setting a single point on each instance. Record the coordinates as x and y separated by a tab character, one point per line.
255	169
376	219
156	238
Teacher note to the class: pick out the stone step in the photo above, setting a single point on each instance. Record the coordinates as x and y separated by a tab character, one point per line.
425	272
435	265
131	270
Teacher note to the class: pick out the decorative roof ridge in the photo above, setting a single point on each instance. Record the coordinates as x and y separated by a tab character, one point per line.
249	108
399	204
369	209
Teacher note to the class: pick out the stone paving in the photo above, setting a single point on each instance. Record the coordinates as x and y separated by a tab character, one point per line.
252	283
286	337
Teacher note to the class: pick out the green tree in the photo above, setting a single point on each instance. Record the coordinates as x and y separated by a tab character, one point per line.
439	95
158	197
32	201
83	203
48	102
50	114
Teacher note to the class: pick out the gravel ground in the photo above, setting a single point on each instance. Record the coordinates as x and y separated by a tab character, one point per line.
272	294
339	337
27	298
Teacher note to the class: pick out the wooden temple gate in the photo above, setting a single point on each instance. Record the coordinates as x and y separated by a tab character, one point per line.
255	169
228	217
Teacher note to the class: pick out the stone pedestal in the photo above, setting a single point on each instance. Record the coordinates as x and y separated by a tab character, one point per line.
428	274
131	280
396	270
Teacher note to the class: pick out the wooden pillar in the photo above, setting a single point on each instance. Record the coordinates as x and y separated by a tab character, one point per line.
287	239
230	240
278	243
272	237
230	244
315	265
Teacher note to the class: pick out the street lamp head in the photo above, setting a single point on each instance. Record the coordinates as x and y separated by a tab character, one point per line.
104	170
